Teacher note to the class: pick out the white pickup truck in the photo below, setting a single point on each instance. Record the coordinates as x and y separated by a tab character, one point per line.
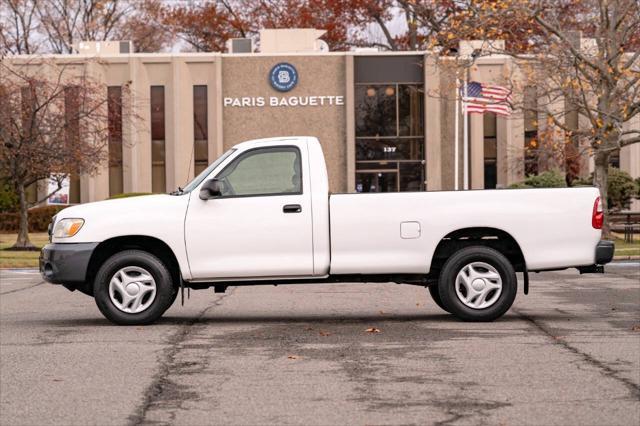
262	214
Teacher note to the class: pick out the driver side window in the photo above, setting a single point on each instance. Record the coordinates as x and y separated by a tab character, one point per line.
264	171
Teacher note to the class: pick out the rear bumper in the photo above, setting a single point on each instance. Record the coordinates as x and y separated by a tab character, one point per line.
66	264
604	252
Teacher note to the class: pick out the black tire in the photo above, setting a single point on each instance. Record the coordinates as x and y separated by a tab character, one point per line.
435	295
166	292
463	257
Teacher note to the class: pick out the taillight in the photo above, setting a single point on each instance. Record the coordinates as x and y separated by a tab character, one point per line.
598	214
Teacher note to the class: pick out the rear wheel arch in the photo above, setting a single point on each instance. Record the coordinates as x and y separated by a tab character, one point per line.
152	245
494	238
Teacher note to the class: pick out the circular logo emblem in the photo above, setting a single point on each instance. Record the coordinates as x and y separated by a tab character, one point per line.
283	77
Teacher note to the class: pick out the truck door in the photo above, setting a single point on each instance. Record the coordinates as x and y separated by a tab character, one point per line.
261	225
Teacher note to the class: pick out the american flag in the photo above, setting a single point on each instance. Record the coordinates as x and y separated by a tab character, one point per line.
483	98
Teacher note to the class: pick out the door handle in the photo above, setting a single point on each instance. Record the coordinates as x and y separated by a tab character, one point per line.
292	208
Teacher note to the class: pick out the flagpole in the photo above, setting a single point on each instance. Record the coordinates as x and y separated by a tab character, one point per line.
456	138
465	137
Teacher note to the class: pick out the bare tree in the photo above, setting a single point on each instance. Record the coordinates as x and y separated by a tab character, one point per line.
53	125
54	26
18	27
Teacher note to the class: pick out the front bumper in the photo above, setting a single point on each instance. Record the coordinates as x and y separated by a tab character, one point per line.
66	263
604	252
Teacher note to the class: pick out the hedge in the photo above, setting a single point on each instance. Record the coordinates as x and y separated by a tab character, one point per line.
129	194
548	179
39	219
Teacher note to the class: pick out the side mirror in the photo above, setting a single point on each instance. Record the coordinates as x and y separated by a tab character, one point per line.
211	189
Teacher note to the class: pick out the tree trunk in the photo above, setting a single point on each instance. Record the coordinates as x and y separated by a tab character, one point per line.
23	242
601	181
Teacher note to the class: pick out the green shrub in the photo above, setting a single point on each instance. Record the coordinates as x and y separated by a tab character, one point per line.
128	194
548	179
621	188
9	201
39	219
519	185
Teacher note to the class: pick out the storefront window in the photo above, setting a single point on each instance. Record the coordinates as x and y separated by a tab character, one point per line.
531	140
114	111
72	134
200	129
376	110
490	151
389	137
158	174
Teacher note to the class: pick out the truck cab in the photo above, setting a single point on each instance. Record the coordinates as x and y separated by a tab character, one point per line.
266	209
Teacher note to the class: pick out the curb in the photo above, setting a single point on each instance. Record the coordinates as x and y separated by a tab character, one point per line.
617	258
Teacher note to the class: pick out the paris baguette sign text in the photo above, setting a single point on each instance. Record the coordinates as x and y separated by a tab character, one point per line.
284	77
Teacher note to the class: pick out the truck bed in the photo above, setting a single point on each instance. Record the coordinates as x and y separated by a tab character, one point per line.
398	232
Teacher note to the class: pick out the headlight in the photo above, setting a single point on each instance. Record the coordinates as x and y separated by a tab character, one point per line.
67	228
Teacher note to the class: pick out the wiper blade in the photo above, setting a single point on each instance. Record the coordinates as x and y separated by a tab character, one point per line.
178	191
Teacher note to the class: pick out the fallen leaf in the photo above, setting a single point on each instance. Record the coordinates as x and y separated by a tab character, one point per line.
417	304
635	328
309	328
381	312
372	330
324	333
292	357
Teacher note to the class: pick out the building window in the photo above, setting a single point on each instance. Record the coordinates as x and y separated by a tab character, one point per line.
114	114
531	139
72	126
389	137
490	151
200	129
158	173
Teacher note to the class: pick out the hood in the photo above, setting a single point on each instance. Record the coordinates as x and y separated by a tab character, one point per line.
139	215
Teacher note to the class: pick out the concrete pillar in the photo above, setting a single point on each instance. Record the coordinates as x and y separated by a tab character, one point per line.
446	94
476	151
350	121
510	159
433	134
552	138
95	186
137	131
216	142
179	127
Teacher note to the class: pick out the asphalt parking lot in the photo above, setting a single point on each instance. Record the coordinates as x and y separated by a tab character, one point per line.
568	353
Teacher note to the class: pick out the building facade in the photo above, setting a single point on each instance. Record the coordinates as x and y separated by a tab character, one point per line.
386	121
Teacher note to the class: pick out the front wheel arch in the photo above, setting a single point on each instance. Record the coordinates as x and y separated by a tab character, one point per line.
152	245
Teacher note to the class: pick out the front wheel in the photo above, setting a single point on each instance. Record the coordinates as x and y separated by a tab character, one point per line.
133	287
477	284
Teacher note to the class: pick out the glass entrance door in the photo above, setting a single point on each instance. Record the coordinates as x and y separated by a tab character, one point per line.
377	181
390	154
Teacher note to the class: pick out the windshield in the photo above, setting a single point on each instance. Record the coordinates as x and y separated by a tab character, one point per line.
196	181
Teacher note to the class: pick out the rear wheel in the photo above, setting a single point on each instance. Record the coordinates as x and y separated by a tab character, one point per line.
477	284
133	287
